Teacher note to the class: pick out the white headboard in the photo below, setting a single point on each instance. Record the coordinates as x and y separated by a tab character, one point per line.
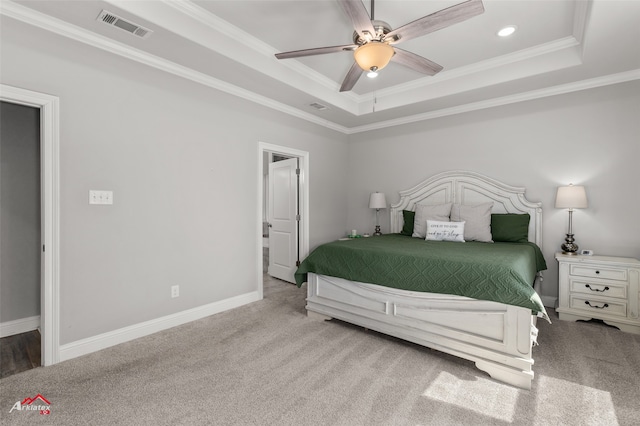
469	188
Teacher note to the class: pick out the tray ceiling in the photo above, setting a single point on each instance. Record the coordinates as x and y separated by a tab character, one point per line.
559	46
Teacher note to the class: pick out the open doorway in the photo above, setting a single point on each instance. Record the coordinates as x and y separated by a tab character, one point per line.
283	236
282	208
48	107
20	238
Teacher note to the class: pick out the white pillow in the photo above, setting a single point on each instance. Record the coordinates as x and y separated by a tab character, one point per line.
426	212
445	231
477	218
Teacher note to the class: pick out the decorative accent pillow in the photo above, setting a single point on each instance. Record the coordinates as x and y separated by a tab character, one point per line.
445	231
409	217
426	212
477	218
510	228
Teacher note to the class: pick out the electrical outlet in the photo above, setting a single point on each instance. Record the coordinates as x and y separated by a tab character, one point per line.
175	291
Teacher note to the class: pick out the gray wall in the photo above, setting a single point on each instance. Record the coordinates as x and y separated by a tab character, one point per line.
19	212
589	137
182	162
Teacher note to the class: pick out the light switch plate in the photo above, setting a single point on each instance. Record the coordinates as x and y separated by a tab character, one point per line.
100	197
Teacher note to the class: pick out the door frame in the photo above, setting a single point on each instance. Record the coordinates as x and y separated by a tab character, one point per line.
303	195
49	107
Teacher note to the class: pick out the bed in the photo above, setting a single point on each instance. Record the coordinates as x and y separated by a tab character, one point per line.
497	335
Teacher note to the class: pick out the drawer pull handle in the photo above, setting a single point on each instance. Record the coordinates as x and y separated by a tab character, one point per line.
606	305
597	272
595	289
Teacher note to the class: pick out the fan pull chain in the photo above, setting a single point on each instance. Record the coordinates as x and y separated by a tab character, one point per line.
372	10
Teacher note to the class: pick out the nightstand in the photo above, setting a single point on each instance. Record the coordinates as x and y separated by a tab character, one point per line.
600	287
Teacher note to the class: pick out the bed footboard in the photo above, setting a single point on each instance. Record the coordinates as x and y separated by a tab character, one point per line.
497	337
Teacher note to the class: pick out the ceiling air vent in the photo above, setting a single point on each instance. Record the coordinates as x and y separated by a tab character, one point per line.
116	21
318	106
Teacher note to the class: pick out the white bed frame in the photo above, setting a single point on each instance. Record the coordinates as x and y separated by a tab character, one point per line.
497	337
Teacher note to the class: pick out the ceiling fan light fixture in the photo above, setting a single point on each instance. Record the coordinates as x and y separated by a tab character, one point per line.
373	54
374	40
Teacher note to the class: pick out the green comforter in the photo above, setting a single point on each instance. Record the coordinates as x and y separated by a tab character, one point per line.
500	272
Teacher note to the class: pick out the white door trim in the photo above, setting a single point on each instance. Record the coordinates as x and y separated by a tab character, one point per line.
304	202
49	164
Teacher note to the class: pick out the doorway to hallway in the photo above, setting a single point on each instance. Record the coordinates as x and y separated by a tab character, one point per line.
48	107
20	237
283	219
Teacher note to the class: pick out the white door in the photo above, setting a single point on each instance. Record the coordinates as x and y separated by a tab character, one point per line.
283	223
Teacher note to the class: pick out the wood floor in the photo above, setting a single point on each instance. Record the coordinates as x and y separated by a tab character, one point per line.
19	353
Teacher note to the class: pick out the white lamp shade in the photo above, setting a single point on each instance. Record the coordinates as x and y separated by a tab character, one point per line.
377	201
571	197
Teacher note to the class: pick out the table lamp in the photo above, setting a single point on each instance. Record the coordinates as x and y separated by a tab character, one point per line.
570	197
377	201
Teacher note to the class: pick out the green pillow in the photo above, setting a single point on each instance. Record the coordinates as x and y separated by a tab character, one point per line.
409	217
510	228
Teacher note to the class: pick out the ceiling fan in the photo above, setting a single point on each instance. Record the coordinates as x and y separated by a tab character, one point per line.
374	41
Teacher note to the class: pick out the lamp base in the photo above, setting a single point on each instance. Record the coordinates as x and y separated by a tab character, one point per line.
569	246
377	231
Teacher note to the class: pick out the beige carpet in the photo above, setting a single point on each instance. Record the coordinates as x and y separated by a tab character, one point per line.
267	364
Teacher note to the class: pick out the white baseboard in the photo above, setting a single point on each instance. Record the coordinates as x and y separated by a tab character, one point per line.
22	325
549	301
112	338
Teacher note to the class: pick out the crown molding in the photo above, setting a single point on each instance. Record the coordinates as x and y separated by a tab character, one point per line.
478	67
200	14
580	18
560	54
393	96
234	43
57	26
399	95
505	100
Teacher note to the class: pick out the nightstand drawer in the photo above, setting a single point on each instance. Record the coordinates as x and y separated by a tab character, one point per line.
598	287
596	272
597	307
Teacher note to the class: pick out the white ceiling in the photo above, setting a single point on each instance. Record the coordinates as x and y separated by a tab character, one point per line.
560	46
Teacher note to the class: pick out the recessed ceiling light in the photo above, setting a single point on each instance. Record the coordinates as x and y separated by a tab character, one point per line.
507	31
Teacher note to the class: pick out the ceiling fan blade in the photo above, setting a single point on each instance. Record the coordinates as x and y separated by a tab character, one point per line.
436	21
415	62
358	15
316	51
352	78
